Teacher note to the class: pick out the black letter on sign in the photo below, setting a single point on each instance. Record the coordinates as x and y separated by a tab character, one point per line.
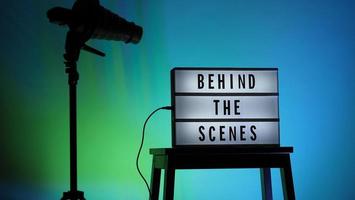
202	137
232	133
231	80
251	81
220	81
216	101
236	107
241	81
252	130
242	132
199	81
221	133
210	81
227	107
212	138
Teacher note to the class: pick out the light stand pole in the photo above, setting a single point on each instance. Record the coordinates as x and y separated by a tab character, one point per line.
72	47
86	20
73	44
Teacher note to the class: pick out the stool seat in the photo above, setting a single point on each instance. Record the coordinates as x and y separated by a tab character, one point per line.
218	150
194	157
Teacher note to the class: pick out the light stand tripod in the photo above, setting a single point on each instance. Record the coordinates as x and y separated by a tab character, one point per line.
87	19
74	42
73	77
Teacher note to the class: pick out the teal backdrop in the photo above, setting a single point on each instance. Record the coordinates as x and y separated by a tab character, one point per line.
311	41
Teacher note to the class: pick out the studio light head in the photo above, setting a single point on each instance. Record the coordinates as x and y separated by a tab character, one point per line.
88	19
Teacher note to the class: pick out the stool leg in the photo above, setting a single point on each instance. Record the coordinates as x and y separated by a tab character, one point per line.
287	180
169	184
266	186
155	183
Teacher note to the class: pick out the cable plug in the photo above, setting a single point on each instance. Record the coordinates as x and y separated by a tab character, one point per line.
167	108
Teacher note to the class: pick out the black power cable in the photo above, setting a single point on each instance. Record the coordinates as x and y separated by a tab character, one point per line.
142	142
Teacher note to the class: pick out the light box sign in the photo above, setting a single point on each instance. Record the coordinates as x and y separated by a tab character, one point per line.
225	106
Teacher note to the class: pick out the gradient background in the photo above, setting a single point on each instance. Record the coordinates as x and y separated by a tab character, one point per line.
312	43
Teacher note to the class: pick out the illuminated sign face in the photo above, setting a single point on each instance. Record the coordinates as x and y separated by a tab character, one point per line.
225	106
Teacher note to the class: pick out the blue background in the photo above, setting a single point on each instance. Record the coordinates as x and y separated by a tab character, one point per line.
312	43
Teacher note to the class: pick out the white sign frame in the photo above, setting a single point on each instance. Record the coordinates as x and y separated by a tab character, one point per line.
272	90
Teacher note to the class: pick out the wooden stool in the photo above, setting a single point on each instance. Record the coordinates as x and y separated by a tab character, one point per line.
264	158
